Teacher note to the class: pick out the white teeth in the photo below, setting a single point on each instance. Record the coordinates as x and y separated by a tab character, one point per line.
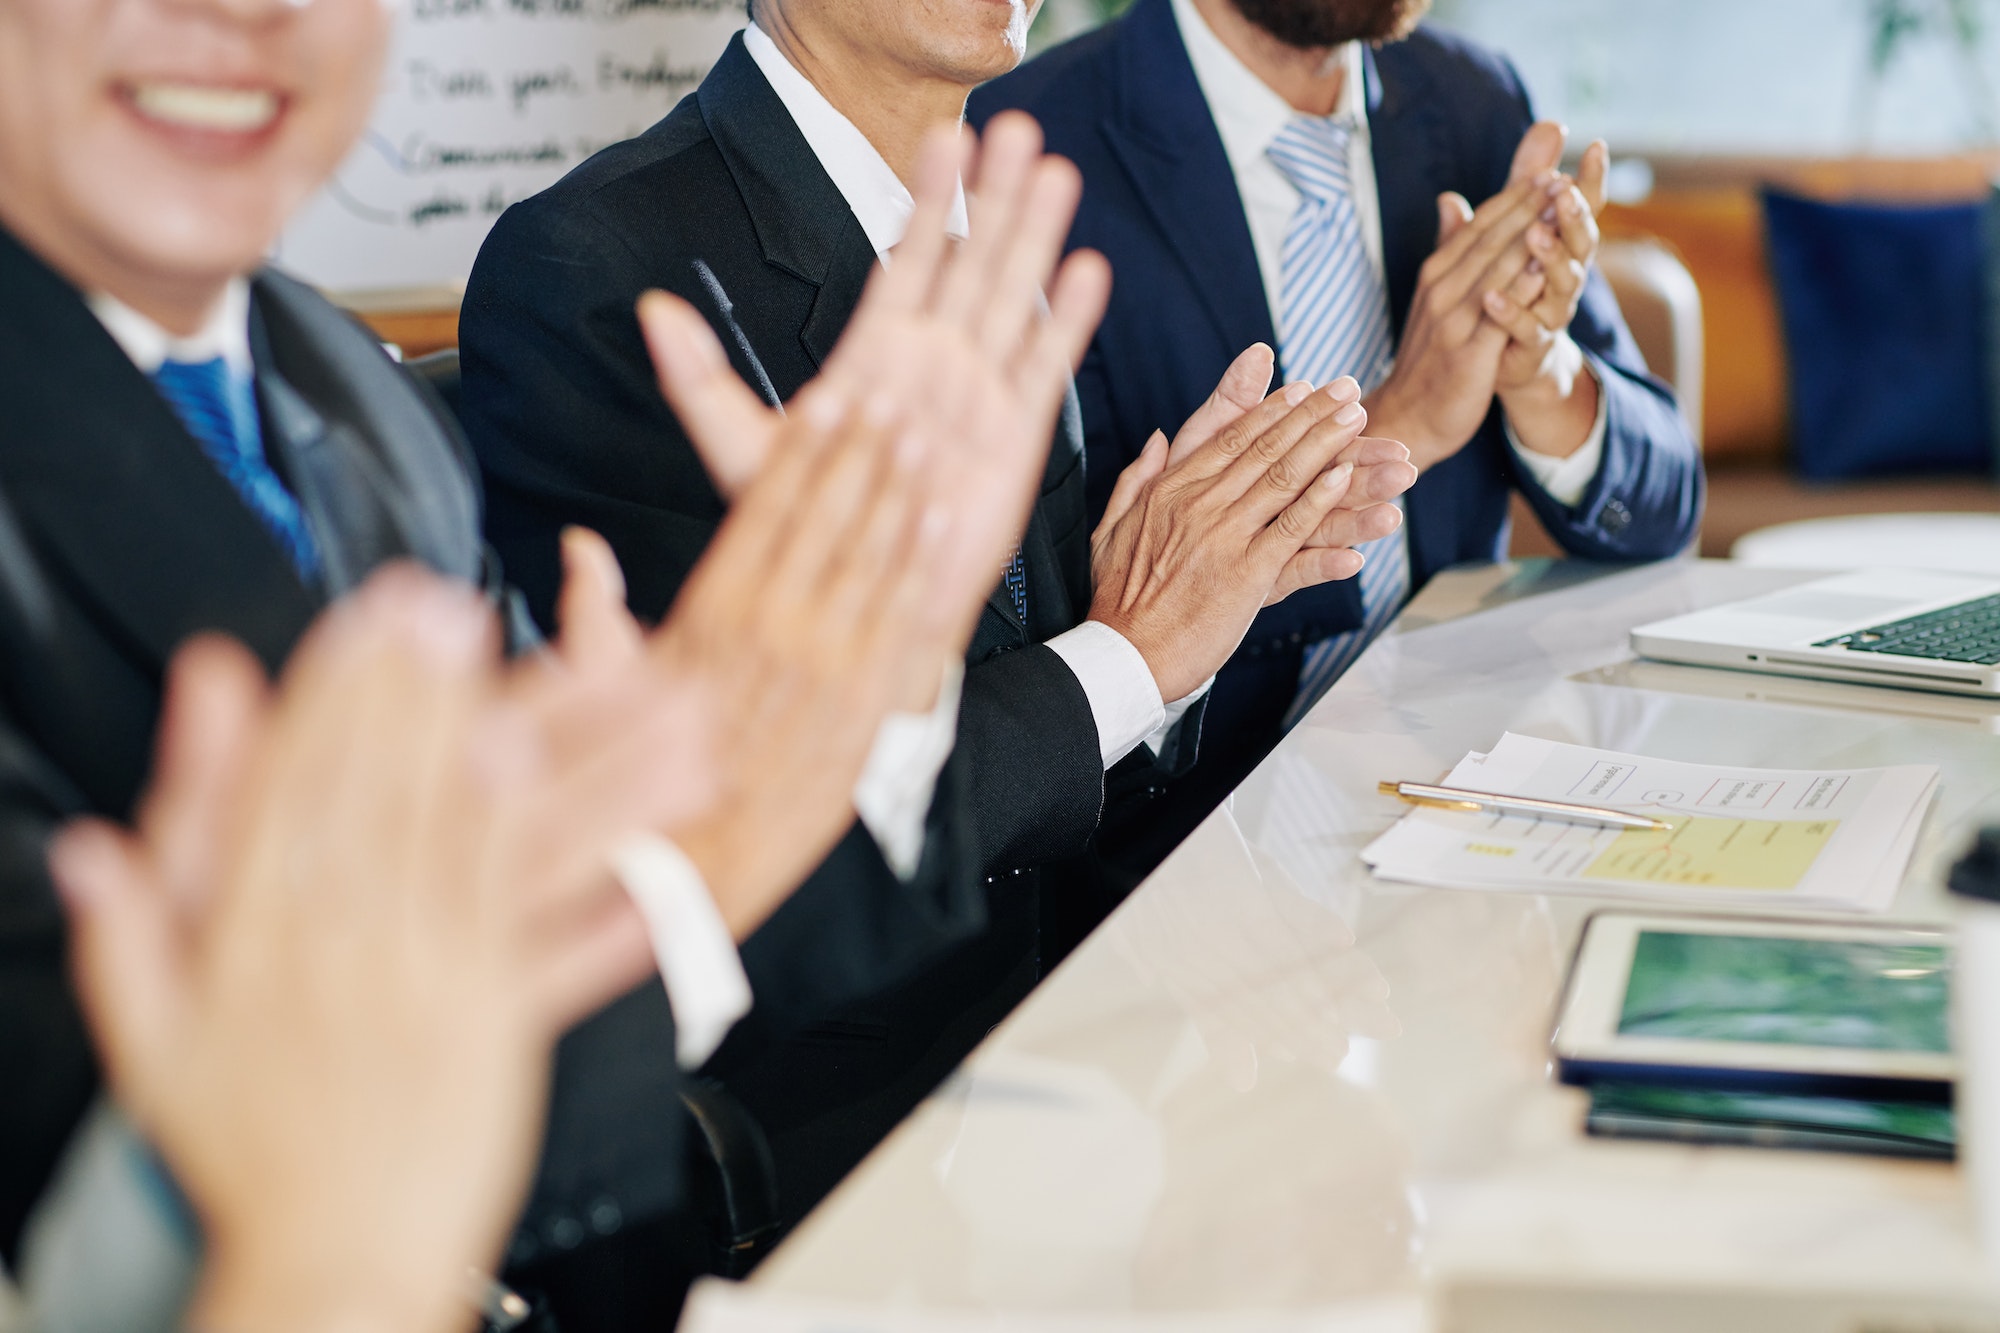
205	107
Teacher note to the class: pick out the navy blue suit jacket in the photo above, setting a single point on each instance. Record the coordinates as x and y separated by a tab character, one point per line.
1160	202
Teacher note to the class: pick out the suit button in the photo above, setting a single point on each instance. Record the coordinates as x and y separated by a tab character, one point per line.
565	1233
1614	517
606	1217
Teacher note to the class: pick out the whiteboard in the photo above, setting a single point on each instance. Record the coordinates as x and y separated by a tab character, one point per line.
483	103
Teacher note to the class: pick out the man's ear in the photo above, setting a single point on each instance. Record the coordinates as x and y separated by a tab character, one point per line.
1540	150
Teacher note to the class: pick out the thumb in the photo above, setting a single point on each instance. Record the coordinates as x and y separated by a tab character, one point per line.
1241	388
122	951
730	427
595	628
1540	149
1453	213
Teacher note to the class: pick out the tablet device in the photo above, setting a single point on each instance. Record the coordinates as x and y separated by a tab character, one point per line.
1740	1002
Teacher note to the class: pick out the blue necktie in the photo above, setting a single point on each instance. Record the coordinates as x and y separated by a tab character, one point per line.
220	410
1016	579
1335	322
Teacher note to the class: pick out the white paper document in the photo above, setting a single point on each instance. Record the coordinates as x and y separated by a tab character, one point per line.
1757	836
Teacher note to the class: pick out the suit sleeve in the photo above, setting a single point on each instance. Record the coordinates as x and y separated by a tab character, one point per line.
46	1060
1645	502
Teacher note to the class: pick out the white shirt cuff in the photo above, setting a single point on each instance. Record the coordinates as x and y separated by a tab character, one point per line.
1124	699
894	792
696	956
1566	479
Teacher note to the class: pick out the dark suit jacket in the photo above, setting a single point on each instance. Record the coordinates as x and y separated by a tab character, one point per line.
118	540
724	203
1160	201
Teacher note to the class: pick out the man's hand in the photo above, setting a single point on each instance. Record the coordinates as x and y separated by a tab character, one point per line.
1448	362
326	969
1188	551
1550	403
1381	473
807	618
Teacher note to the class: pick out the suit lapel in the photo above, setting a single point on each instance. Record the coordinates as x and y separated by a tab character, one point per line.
1411	151
803	223
1164	137
108	483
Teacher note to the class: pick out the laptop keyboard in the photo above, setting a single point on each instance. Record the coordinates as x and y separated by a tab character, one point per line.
1968	632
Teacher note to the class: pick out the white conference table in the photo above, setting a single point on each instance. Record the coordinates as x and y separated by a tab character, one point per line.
1271	1082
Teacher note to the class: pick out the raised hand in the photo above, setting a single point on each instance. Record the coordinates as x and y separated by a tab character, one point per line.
326	969
1448	361
953	334
808	617
1540	378
1188	550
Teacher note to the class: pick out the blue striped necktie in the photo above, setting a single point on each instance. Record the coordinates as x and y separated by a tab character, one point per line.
1335	322
220	410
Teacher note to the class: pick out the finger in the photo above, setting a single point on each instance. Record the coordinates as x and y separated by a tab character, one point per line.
1453	213
123	951
1576	225
1286	533
877	547
731	427
1042	374
1255	438
844	505
596	630
1008	153
591	964
1518	321
1540	151
1506	215
1311	566
1244	385
1029	256
1594	173
1290	472
215	704
1497	253
1152	460
1347	527
908	283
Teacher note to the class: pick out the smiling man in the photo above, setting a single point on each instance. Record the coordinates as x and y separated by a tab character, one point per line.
192	442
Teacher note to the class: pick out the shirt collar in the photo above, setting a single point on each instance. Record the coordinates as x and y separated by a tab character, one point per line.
1248	113
225	335
881	202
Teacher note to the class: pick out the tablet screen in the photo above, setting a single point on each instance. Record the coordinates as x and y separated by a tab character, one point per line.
1862	995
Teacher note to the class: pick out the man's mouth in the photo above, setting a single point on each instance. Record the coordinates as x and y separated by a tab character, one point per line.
205	108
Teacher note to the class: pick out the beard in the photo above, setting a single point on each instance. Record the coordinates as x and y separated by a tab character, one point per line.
1309	24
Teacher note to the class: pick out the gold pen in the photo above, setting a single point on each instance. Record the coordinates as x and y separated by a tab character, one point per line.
1454	798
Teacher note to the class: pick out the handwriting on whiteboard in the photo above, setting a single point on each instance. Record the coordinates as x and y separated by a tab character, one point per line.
485	102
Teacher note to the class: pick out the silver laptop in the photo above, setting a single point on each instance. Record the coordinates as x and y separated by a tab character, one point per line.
1887	627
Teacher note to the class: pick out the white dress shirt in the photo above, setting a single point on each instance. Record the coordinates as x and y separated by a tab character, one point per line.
1124	698
697	959
1249	114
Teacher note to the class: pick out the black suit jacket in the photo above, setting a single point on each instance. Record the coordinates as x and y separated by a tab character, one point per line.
118	540
1160	201
724	204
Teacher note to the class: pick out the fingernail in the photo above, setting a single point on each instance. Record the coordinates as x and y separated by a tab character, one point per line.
1534	266
1549	215
1297	392
1343	390
1557	184
1349	415
1496	302
1336	477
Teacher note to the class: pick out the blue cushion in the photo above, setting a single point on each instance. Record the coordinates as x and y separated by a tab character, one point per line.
1883	309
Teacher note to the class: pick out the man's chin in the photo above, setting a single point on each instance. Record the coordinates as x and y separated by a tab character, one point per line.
1316	24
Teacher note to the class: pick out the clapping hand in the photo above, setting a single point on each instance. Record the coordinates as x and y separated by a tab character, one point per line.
326	968
1563	241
